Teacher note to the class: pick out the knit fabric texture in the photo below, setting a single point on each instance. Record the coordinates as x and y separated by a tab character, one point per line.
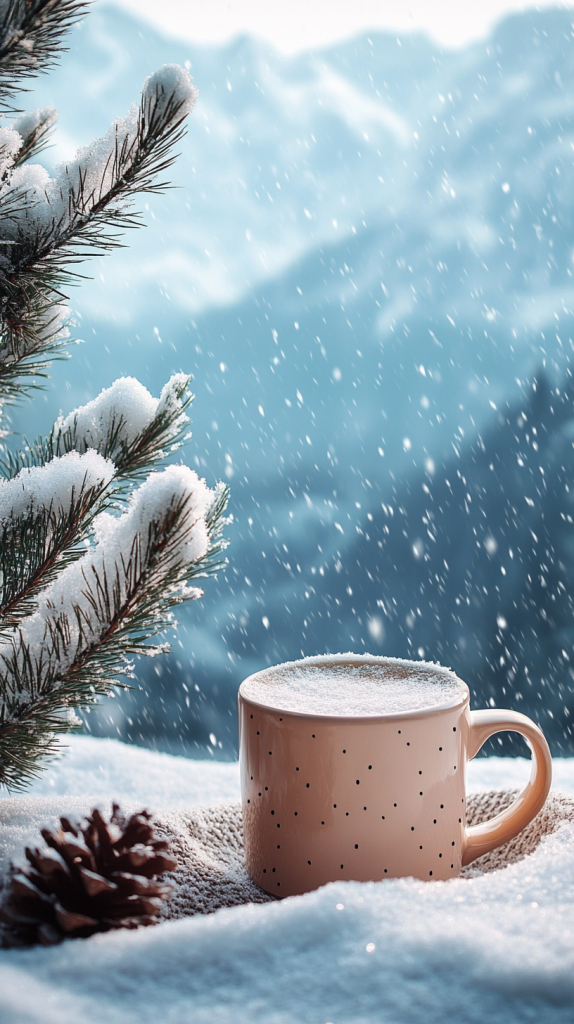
211	873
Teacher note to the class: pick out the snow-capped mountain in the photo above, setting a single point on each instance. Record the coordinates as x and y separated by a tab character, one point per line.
368	269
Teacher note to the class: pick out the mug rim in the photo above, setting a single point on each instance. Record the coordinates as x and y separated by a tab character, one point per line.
355	660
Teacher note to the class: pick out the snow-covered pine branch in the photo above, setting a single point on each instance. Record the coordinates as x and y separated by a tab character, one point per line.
34	131
45	512
47	224
93	190
124	423
27	137
81	589
55	487
104	608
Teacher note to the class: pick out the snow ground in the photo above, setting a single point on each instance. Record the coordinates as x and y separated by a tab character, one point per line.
499	947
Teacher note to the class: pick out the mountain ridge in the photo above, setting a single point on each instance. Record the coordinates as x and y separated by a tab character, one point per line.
367	271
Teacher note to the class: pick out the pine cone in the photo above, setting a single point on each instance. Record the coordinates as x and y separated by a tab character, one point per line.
88	879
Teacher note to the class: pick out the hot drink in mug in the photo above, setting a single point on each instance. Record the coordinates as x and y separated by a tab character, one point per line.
353	767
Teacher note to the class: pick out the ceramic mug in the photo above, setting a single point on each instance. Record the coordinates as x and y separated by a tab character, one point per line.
334	796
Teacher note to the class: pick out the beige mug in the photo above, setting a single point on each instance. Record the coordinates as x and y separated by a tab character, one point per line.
329	795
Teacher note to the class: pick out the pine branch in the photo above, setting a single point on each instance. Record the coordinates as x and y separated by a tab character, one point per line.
134	453
80	642
35	548
34	129
40	540
45	513
26	354
82	590
83	211
106	425
31	33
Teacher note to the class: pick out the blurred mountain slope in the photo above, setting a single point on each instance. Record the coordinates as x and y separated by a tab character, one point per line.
368	269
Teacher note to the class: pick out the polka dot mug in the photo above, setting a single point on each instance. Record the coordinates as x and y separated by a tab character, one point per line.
332	794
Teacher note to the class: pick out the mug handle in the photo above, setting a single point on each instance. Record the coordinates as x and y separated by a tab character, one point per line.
487	836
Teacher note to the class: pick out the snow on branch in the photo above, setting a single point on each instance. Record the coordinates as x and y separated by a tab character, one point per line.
27	136
102	175
124	423
124	410
54	485
89	569
168	94
34	131
10	145
163	529
45	512
105	606
47	224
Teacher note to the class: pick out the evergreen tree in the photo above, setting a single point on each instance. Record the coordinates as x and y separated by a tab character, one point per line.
95	550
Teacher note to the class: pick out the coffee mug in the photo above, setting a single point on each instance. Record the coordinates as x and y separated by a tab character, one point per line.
353	767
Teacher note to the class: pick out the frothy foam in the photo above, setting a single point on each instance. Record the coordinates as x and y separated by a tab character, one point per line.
354	690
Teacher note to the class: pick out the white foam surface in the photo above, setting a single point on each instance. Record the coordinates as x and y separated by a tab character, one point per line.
354	690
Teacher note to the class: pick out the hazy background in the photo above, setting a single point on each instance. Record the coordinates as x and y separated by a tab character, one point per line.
367	266
303	25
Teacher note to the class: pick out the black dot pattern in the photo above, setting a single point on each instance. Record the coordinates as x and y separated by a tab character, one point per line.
316	802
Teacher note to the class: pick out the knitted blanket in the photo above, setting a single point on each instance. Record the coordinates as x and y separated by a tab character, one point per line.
208	844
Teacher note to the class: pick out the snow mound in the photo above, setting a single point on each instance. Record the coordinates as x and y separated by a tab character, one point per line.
105	769
497	947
